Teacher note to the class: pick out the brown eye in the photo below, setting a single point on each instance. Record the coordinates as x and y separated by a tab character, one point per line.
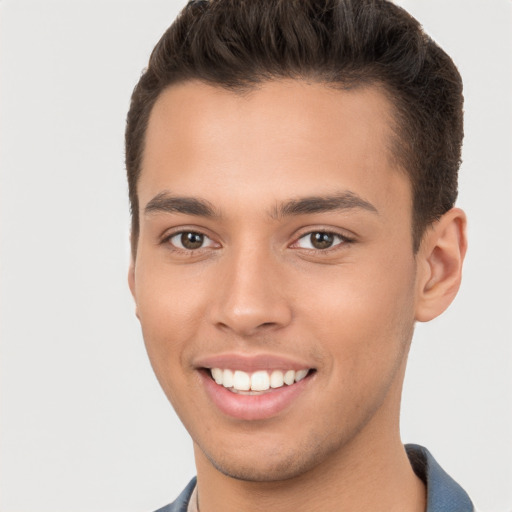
321	240
191	240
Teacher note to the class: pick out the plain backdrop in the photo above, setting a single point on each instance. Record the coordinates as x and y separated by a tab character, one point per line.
84	425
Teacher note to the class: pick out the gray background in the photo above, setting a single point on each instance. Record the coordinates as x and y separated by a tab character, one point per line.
84	425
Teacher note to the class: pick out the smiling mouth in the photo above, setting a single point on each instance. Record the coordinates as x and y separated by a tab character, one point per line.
259	382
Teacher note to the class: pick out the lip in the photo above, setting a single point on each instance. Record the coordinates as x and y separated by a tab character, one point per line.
251	363
254	407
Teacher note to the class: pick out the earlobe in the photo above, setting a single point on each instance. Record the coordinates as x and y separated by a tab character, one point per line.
440	260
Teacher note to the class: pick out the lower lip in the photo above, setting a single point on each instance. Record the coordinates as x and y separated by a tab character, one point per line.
253	407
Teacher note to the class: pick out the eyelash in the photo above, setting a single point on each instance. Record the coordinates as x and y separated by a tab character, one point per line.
167	240
343	240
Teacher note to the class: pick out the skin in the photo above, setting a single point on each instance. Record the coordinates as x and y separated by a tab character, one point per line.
256	286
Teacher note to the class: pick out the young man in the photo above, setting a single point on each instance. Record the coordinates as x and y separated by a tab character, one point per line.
293	170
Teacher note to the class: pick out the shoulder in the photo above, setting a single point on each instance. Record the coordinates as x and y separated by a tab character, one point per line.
181	502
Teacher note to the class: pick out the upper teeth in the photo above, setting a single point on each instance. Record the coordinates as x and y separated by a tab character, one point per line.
257	381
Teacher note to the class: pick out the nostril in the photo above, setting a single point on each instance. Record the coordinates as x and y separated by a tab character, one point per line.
247	327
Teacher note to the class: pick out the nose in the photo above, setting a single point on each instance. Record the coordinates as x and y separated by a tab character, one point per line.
251	296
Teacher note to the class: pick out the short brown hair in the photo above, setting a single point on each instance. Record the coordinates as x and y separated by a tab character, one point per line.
237	44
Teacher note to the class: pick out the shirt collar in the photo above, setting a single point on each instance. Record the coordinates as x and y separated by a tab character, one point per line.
443	493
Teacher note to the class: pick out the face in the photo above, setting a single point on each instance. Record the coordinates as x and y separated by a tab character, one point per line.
274	276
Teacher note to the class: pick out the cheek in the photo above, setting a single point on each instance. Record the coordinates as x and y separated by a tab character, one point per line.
168	327
170	311
364	316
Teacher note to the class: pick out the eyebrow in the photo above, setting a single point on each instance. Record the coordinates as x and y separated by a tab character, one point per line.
167	203
323	204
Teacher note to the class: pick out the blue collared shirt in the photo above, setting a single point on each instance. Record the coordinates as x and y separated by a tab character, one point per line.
443	493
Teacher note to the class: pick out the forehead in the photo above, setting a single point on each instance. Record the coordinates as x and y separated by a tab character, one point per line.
280	135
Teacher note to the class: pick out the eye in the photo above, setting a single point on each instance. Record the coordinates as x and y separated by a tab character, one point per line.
190	240
320	240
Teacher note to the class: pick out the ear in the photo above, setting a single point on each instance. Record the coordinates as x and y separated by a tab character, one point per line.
131	283
440	259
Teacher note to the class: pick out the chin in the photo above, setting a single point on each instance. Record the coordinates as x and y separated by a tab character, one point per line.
271	465
261	472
